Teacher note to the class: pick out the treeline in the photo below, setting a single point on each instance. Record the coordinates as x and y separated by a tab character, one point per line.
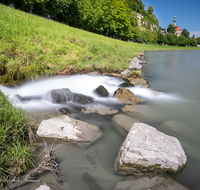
113	18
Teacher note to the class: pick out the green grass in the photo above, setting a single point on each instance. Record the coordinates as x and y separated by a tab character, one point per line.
14	138
34	47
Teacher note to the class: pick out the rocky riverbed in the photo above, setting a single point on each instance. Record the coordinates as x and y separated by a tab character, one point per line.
145	151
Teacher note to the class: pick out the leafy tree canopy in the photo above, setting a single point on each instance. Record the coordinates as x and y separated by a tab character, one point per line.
185	33
171	29
150	10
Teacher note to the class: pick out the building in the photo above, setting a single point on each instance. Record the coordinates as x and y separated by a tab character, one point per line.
178	31
174	21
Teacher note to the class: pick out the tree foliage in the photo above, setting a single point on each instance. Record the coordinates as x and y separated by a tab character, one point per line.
114	18
150	10
185	33
171	29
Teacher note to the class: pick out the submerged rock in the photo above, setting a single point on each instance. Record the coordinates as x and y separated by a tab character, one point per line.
67	128
125	96
99	109
146	149
150	183
124	121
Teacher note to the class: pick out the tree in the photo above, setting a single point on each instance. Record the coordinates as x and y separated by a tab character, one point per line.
150	10
193	42
171	29
172	39
198	40
182	41
161	39
185	33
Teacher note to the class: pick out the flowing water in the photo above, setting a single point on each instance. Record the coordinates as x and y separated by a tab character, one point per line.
172	105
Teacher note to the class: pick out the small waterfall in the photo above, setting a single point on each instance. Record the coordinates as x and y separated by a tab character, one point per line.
38	95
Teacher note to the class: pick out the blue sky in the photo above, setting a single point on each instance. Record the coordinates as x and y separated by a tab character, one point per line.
187	13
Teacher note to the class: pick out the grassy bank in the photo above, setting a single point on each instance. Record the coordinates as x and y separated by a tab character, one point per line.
34	47
14	138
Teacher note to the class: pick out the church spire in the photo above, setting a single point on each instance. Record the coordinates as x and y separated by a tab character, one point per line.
174	21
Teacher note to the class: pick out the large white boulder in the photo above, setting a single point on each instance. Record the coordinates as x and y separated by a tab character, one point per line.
67	128
146	149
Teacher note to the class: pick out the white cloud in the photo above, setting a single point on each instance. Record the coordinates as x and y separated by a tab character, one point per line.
196	33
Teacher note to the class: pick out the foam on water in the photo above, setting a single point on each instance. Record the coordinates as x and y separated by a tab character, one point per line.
83	84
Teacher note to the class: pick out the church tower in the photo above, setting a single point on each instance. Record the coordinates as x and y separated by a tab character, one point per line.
174	21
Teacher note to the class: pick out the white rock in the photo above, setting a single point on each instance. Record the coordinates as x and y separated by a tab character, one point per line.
43	187
67	128
147	149
134	65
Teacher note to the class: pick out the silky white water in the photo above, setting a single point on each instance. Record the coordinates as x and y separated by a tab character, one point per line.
173	97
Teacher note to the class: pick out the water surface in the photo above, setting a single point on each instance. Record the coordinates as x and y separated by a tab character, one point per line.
172	99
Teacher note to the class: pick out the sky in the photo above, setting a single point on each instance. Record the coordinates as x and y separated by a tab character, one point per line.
187	13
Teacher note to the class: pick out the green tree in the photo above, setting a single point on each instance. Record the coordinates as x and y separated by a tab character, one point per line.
171	29
185	33
193	42
161	39
198	40
150	10
172	39
182	41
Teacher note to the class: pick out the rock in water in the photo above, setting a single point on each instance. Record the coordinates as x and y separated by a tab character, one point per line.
101	91
61	95
67	128
150	183
125	96
146	149
139	82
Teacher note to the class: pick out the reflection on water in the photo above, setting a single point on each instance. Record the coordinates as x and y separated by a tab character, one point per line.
172	105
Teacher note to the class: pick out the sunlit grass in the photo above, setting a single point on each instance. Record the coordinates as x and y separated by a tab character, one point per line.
34	47
14	138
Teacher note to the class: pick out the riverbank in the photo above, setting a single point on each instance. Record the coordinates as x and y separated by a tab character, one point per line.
33	47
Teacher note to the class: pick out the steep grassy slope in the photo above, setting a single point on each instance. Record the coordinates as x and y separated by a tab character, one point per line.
33	47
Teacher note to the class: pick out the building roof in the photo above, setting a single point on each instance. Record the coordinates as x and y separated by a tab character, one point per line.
178	28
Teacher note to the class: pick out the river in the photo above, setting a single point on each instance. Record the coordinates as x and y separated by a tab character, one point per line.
173	97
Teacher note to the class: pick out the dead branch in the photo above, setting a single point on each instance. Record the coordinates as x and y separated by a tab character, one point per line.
47	163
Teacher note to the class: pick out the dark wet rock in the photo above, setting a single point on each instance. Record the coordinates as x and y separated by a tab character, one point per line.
27	98
126	83
91	182
150	183
139	82
101	91
69	129
61	95
44	186
125	96
82	99
147	150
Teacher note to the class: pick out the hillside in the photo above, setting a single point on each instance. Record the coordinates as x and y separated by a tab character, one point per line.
33	47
